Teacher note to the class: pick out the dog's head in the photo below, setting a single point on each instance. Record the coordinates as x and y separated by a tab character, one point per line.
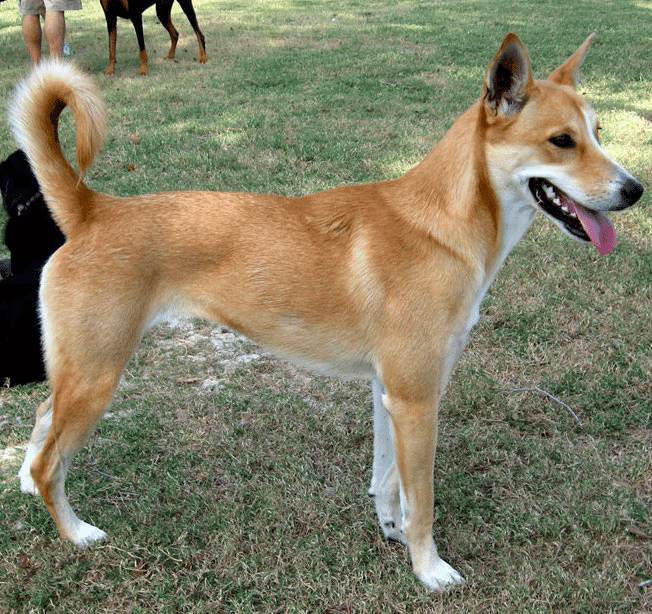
543	147
18	185
30	234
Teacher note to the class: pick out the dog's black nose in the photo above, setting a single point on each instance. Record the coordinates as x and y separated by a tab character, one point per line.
631	191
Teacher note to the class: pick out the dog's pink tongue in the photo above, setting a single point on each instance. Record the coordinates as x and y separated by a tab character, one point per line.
598	226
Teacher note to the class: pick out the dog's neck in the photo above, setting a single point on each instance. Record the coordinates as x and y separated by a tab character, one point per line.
450	196
22	207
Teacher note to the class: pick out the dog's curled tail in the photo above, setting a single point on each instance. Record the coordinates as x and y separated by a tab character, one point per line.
34	112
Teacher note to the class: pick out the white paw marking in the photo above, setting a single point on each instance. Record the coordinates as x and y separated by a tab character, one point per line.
86	534
27	484
440	577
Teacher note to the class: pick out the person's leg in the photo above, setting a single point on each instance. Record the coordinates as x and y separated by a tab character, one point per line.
54	28
32	35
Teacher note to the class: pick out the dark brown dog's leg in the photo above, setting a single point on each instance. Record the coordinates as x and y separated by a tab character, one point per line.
144	66
137	20
164	14
112	26
189	10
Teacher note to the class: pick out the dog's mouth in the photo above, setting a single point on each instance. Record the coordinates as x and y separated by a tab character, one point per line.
580	222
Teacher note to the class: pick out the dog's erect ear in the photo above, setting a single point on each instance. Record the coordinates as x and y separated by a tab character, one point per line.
568	72
509	78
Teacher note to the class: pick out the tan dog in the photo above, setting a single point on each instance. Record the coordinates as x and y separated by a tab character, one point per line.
382	281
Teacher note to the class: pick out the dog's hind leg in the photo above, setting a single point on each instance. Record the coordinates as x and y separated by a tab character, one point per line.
88	341
36	441
164	14
385	485
77	406
189	10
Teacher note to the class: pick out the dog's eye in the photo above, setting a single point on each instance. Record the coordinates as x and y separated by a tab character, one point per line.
563	141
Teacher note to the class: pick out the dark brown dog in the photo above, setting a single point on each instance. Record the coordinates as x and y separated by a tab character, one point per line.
133	10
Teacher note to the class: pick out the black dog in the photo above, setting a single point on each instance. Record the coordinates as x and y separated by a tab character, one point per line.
32	237
133	10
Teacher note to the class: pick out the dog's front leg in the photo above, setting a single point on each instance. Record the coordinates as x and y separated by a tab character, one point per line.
137	21
112	26
415	436
385	485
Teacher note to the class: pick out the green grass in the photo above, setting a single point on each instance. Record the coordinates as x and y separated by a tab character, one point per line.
234	486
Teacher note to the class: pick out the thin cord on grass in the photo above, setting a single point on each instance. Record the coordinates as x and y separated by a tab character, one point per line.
550	396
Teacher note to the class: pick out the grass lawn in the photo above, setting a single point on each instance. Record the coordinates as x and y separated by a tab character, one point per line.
228	480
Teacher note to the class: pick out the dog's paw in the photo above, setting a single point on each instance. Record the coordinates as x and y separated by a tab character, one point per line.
86	534
390	517
392	531
27	484
440	577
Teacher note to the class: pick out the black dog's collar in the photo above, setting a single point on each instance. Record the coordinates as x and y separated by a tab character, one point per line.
20	209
